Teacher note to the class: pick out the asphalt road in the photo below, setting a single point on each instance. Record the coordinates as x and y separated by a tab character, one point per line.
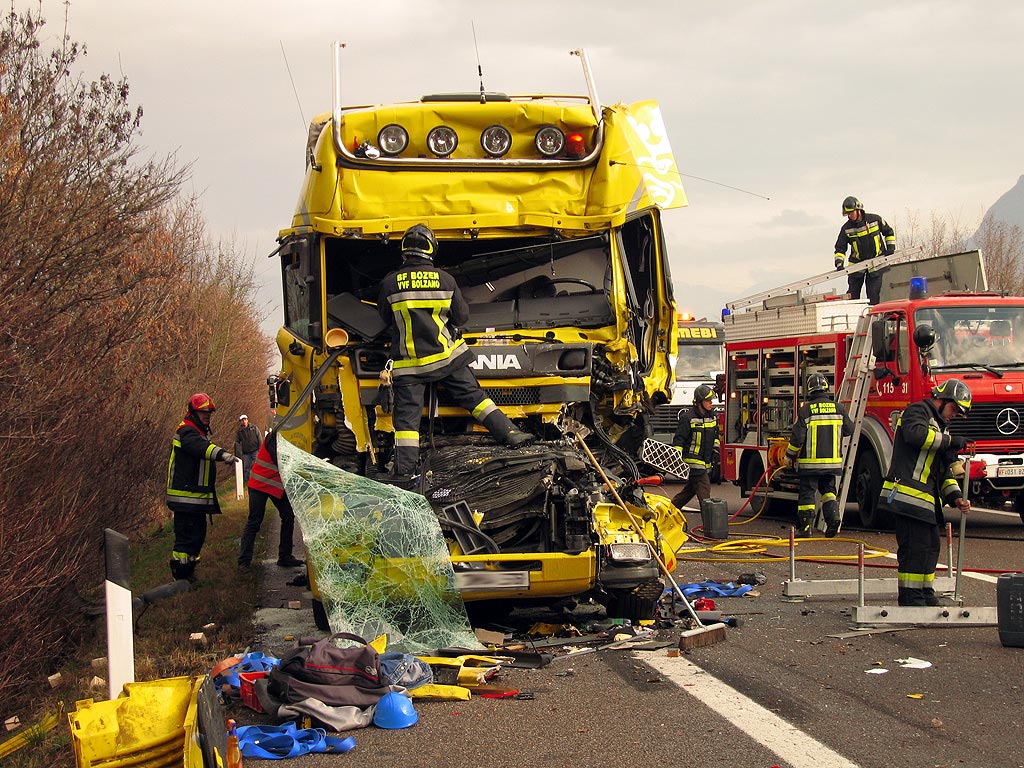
794	685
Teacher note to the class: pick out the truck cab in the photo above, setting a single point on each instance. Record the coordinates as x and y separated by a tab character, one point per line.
547	210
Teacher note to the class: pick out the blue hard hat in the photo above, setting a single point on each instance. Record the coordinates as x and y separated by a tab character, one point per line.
394	711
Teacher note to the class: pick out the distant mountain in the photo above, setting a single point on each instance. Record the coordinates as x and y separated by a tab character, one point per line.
1010	207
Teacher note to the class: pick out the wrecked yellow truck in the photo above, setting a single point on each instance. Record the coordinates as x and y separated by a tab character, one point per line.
547	210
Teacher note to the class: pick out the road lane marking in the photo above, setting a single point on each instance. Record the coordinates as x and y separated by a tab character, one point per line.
765	727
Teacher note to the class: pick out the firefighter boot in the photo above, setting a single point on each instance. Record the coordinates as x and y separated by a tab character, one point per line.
831	525
505	432
183	566
805	525
930	598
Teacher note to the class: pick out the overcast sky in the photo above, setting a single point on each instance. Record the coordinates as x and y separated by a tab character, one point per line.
912	106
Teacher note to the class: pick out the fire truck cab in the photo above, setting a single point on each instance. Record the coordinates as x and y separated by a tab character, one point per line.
918	340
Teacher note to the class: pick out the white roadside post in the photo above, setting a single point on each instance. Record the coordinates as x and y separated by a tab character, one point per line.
120	635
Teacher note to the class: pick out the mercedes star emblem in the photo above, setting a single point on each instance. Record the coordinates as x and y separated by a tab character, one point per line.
1008	421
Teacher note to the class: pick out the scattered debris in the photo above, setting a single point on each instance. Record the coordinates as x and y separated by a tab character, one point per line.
54	680
100	663
12	722
198	639
912	663
876	671
915	695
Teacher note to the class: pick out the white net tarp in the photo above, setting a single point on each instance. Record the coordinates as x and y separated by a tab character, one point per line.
377	552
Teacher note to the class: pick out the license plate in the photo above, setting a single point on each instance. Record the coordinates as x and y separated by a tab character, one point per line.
478	580
1013	471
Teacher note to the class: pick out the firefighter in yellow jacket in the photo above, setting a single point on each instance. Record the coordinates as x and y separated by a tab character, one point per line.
423	307
815	449
696	436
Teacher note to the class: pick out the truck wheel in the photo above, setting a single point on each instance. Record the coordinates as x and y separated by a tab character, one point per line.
637	604
867	485
320	616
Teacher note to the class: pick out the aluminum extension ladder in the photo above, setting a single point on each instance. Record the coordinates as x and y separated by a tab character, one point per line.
853	394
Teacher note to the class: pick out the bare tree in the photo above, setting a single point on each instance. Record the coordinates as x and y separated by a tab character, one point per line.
1002	245
116	308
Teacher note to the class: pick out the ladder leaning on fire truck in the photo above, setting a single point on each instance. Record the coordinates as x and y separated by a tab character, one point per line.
853	393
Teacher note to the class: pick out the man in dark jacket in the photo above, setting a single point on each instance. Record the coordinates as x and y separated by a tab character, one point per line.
865	235
191	480
247	443
423	307
697	435
919	480
815	449
265	483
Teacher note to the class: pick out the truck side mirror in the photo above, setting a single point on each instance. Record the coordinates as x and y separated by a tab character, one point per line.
720	385
924	337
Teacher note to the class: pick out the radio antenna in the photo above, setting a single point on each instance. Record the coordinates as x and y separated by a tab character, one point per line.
479	69
302	117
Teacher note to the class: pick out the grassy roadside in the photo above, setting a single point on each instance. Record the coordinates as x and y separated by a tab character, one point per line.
223	596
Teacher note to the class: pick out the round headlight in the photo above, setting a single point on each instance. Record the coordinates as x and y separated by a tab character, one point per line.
496	140
392	139
442	140
550	140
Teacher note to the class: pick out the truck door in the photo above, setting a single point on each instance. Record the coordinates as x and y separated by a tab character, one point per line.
647	281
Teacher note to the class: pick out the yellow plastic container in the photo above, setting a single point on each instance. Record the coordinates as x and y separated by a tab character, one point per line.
150	724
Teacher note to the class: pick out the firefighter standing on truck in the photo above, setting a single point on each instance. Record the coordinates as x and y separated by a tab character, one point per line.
865	236
423	306
920	478
697	436
191	480
815	449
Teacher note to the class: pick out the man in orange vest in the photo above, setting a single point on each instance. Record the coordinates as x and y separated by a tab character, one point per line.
265	483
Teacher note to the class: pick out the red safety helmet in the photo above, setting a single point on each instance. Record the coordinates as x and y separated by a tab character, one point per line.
201	402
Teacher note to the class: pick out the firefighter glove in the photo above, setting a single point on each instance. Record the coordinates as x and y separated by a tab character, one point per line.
839	263
890	250
228	458
958	444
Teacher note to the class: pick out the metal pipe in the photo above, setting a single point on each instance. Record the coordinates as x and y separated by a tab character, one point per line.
860	575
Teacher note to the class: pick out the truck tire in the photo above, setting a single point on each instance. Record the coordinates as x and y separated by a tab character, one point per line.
867	485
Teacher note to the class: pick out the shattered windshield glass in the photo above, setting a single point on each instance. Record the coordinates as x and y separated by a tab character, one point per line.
378	556
975	335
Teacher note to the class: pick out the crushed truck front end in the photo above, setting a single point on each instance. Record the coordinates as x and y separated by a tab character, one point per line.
548	214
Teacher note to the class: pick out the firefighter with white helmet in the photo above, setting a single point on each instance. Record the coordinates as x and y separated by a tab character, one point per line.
920	479
815	449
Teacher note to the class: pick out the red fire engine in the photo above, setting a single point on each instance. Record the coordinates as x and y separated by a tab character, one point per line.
918	340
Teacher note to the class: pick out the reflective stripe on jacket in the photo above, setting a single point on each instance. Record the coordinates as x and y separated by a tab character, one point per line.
191	471
870	237
697	434
423	306
919	477
264	475
817	439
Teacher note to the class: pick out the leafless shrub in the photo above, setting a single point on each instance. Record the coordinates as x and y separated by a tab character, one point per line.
116	308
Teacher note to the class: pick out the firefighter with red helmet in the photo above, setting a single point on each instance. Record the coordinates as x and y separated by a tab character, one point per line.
919	481
865	236
815	449
191	479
